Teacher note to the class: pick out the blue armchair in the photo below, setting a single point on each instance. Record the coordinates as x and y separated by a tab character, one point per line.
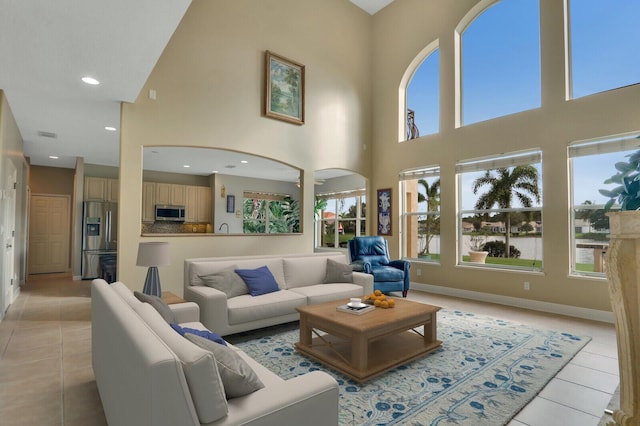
371	255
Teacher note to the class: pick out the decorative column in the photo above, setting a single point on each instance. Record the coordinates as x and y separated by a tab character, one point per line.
623	271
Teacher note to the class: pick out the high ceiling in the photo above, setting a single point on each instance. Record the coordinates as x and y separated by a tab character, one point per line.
48	46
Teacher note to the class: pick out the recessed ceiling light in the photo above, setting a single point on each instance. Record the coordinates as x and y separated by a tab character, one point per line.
244	161
54	157
110	128
214	171
90	80
186	166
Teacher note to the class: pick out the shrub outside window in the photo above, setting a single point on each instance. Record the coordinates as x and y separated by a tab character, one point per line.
270	214
500	211
591	163
421	213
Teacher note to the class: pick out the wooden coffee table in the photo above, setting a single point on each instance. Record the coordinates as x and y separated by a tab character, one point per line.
367	345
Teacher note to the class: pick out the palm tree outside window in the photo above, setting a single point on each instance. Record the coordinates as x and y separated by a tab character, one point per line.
501	200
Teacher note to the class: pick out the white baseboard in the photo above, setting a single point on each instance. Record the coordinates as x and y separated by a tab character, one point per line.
77	277
536	305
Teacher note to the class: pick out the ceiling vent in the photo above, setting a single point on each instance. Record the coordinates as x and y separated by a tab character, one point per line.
48	134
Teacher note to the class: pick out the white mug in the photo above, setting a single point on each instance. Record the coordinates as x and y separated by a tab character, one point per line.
355	301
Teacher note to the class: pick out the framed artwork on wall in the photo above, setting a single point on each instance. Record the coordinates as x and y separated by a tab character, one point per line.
284	89
231	203
384	211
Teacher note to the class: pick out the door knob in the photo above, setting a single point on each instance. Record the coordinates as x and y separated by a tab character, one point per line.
9	246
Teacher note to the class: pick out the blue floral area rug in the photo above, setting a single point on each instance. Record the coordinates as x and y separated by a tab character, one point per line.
486	371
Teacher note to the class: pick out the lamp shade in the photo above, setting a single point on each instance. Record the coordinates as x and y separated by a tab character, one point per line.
153	254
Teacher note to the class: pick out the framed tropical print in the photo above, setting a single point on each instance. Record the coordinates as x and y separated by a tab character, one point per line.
284	89
384	211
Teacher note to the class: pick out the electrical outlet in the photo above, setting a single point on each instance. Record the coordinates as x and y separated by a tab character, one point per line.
527	285
418	272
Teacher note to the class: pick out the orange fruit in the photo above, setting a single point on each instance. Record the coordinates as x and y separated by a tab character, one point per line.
377	302
391	303
377	292
384	304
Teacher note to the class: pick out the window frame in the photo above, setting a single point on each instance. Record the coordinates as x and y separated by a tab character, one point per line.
621	143
406	215
360	219
507	160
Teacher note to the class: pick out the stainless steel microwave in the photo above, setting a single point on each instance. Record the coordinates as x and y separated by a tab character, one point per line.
170	213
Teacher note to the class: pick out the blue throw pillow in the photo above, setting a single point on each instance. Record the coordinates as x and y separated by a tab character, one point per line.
260	280
214	337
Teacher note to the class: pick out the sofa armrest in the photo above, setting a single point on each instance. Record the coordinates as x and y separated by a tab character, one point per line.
186	312
401	264
361	266
365	280
310	399
213	307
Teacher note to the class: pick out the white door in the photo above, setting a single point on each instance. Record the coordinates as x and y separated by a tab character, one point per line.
7	236
49	230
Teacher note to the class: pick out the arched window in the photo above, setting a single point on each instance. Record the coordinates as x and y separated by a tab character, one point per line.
500	60
605	53
423	98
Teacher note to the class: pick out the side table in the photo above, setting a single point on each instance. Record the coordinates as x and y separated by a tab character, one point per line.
171	298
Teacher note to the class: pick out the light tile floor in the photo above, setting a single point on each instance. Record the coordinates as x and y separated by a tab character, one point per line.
46	376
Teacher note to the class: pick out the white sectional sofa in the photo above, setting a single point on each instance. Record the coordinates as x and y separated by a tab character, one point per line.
147	374
300	278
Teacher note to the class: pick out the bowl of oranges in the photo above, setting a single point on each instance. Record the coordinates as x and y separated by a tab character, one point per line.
379	300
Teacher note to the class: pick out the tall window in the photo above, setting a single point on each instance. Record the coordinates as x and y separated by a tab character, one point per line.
605	53
340	217
423	98
421	213
500	56
500	219
270	214
592	162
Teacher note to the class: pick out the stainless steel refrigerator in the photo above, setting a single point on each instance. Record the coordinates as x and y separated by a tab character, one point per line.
99	240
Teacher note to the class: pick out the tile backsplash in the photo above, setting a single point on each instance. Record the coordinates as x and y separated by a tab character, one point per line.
176	228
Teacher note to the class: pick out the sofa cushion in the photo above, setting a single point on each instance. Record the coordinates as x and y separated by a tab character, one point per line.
304	271
158	304
338	272
199	366
245	308
387	273
227	281
237	376
210	266
321	293
259	280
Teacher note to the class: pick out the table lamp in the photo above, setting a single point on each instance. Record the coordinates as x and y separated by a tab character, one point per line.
153	255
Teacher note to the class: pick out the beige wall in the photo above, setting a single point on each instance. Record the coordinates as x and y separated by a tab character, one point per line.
209	86
400	32
52	180
11	149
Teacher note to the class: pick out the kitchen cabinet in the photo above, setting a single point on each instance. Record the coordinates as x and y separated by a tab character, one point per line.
148	202
171	194
198	205
101	189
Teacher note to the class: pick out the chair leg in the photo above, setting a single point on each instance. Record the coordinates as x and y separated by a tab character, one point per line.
404	293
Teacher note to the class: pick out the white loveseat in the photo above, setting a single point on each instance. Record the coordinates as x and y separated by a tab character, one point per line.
147	374
300	278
